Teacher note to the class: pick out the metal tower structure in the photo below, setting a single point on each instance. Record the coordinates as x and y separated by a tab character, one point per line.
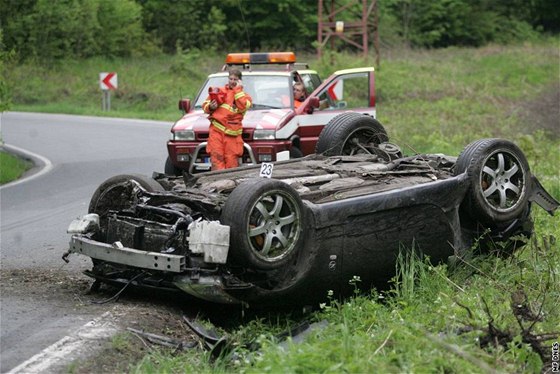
349	22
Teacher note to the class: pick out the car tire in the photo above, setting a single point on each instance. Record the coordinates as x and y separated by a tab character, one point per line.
295	152
171	169
499	180
107	191
350	133
266	219
465	157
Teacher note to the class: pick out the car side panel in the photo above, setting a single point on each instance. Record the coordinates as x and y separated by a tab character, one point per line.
357	236
316	270
372	241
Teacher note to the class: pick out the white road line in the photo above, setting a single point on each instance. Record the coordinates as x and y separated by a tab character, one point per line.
47	164
69	348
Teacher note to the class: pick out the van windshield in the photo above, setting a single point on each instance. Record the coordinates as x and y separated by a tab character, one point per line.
267	91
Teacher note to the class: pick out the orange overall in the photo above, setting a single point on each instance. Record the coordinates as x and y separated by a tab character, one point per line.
225	144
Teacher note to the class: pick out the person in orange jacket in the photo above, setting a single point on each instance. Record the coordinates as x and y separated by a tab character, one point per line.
226	110
299	94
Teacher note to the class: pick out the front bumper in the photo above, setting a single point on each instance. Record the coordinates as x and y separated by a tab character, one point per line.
206	166
192	156
204	287
117	253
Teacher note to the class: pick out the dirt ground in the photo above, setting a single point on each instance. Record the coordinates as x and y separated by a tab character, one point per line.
542	113
160	314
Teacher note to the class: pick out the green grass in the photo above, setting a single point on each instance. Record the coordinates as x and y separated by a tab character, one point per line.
432	321
147	87
435	317
11	167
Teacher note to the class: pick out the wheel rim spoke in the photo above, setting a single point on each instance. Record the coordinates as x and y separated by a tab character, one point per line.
491	190
282	239
275	212
512	187
503	198
283	221
259	230
262	209
267	244
489	171
501	163
512	171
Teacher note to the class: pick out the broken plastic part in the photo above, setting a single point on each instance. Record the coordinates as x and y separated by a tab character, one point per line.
85	224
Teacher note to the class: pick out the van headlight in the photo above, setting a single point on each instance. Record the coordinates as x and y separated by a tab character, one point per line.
183	135
264	134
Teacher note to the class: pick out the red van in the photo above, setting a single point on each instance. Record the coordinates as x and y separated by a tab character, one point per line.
273	129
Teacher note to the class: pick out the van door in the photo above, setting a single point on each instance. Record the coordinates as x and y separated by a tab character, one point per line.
350	90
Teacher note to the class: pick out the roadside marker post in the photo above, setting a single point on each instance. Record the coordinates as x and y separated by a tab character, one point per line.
107	83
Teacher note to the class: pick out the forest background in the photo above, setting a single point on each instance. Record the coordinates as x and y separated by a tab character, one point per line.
47	30
47	34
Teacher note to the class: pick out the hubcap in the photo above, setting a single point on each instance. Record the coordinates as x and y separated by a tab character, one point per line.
274	226
502	181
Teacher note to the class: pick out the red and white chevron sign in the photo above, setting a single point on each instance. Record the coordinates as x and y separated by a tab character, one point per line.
108	81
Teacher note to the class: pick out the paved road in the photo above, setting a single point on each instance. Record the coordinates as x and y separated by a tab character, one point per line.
77	153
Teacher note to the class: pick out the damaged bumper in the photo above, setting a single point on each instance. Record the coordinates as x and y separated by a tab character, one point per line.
117	253
193	273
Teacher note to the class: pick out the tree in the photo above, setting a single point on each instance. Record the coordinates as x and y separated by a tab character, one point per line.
231	24
271	24
49	30
442	23
5	93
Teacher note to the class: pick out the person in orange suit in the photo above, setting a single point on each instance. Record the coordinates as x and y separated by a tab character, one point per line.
299	94
226	110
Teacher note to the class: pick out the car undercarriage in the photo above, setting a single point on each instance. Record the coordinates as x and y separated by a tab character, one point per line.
234	236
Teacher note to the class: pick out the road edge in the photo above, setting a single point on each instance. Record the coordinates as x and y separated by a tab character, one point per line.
41	164
69	348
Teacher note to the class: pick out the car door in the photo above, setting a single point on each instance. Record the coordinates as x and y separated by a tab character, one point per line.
311	80
344	91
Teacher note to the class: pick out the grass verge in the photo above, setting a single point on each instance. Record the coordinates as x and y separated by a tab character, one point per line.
488	314
11	167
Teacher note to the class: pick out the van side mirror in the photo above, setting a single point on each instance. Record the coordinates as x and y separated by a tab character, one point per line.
185	105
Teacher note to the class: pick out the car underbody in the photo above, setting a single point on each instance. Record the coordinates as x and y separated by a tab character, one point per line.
234	236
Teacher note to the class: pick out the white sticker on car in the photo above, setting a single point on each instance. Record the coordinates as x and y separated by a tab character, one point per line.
266	170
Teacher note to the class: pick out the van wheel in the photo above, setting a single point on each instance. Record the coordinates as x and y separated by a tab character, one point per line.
171	169
295	152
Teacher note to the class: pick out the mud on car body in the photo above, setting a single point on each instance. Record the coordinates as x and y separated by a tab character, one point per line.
273	129
231	236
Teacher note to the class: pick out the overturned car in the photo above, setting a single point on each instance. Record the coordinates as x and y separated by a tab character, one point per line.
290	232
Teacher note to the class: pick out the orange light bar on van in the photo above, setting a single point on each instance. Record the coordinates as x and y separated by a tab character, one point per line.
261	58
